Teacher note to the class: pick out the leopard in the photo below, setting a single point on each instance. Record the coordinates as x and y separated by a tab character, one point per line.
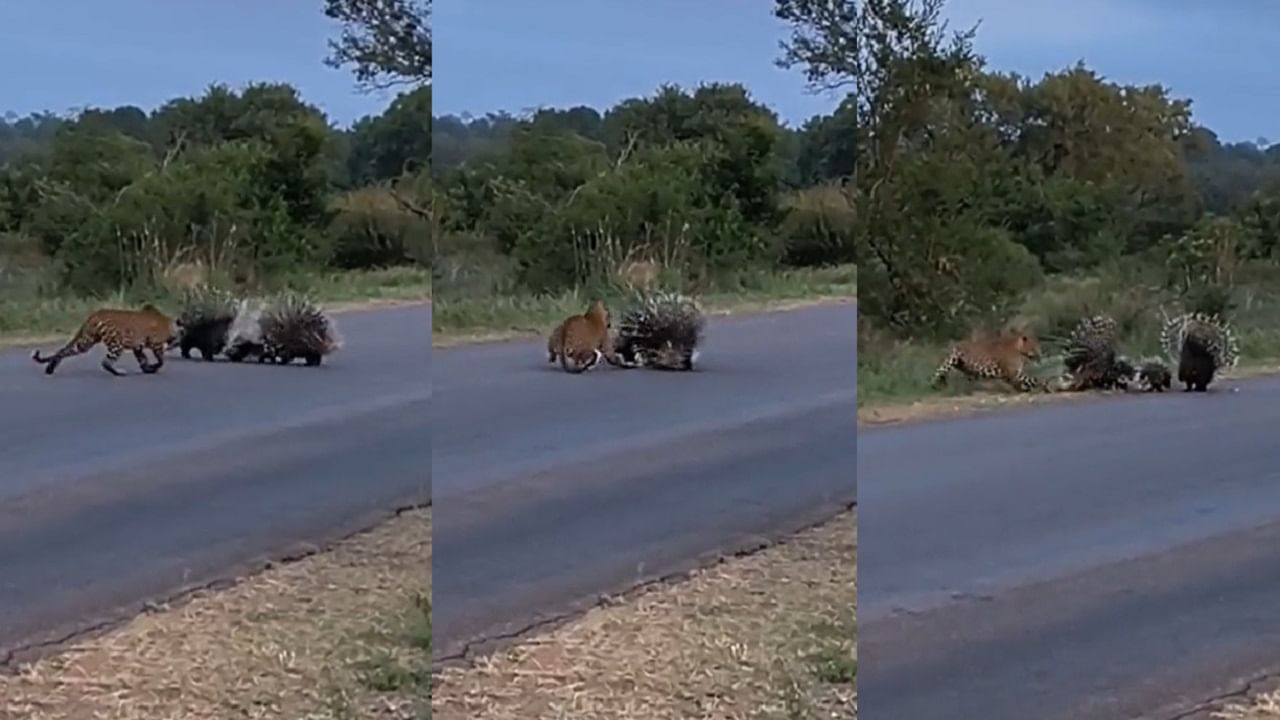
582	340
119	330
1001	358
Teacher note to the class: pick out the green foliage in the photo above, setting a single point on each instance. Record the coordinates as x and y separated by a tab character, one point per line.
970	186
396	142
818	227
239	183
1207	254
372	228
691	181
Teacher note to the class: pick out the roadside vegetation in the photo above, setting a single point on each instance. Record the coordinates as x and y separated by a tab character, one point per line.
340	635
1007	199
251	187
767	636
703	190
1261	706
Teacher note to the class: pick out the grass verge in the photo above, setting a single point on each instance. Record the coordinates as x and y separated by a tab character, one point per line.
894	374
767	636
340	635
466	317
28	316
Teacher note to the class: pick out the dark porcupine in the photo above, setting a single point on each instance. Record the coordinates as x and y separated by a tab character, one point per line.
1090	357
1201	346
661	330
205	321
294	327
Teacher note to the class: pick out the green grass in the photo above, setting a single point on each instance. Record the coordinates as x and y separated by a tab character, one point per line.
28	310
458	315
399	665
894	371
832	662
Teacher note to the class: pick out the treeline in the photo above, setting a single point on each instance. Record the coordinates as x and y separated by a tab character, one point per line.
974	185
698	184
244	185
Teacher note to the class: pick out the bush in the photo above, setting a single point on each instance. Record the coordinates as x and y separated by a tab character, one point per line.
818	227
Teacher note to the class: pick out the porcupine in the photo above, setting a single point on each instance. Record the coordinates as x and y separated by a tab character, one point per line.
661	330
244	338
205	321
294	327
1201	345
1093	362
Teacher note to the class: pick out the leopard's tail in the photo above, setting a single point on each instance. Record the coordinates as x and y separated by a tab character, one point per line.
84	339
940	375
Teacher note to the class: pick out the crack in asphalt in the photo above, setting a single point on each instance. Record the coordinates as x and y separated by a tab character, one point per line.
487	644
11	658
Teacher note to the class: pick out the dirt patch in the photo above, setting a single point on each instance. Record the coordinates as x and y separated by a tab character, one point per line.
1262	707
342	634
937	408
378	304
1263	703
765	636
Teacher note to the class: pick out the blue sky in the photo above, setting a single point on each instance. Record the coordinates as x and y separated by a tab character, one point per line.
1221	55
64	54
518	54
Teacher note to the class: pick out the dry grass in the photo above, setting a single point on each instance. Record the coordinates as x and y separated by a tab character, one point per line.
331	636
766	636
1264	706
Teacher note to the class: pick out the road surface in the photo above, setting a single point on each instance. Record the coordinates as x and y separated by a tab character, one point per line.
1116	558
115	491
551	488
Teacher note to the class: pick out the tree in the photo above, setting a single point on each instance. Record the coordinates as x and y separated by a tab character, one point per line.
394	143
387	41
744	136
825	39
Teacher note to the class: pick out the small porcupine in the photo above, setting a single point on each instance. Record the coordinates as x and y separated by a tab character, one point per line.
294	327
661	330
205	321
1152	375
1200	345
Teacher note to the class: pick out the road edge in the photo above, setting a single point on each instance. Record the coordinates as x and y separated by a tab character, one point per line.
497	337
744	545
56	640
929	409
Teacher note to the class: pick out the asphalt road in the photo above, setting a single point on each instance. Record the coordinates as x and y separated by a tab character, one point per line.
115	491
551	488
1117	558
